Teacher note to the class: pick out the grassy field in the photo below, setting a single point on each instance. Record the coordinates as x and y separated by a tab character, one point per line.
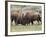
19	28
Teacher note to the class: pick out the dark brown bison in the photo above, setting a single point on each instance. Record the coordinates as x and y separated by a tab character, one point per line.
30	17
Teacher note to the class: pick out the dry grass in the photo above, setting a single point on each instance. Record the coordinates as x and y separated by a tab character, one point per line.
19	28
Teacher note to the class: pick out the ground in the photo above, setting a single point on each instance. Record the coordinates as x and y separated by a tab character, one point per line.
19	28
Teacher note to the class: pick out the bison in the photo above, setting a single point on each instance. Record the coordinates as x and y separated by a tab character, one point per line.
30	17
14	16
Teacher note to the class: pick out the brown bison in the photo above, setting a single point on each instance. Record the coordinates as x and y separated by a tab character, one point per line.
17	17
32	16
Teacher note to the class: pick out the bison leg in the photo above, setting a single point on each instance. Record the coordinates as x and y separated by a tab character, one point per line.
11	21
32	22
23	22
16	22
38	21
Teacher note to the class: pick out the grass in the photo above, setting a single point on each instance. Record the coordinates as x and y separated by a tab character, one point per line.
19	28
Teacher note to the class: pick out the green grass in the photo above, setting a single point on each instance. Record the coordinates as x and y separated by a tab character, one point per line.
35	27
